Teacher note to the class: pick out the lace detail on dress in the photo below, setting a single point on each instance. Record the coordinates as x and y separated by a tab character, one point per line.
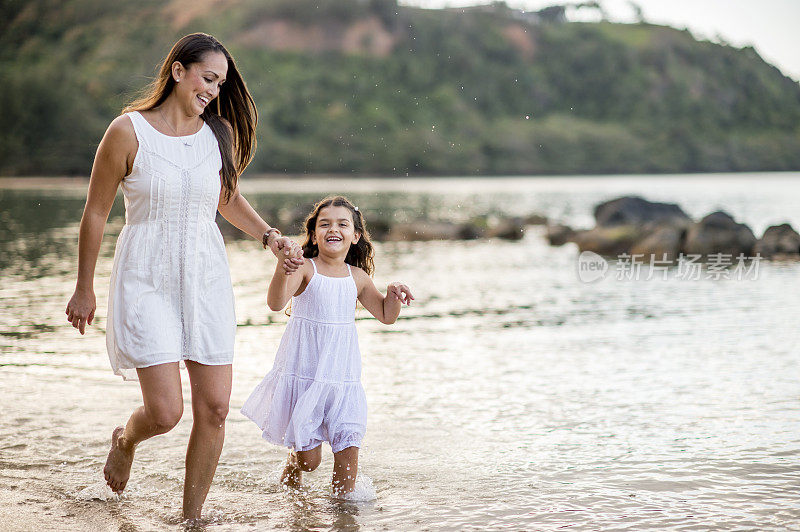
183	222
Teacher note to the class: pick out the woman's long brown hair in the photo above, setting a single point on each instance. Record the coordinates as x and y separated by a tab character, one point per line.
237	144
360	253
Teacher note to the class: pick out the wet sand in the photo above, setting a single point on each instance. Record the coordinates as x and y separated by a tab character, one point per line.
31	507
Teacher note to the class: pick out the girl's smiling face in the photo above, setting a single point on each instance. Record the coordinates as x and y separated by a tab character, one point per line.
334	232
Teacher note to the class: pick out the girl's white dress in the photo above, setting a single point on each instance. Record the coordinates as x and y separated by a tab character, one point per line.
313	392
171	297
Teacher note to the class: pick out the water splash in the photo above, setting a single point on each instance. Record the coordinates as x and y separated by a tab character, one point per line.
364	490
99	491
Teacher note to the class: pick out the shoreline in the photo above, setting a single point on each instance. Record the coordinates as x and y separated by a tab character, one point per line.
281	182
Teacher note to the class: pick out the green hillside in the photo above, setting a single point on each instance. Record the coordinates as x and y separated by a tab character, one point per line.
371	88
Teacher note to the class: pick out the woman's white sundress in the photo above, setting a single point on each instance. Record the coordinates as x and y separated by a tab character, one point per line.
170	297
313	392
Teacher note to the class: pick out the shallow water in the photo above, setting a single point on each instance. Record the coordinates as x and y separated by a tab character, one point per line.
509	396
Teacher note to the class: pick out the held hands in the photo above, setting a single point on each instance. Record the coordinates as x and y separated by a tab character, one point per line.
399	292
286	249
80	309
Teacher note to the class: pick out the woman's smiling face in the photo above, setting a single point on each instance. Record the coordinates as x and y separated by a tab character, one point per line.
200	83
334	232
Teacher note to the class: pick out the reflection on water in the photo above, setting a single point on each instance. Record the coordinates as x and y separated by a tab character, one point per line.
510	395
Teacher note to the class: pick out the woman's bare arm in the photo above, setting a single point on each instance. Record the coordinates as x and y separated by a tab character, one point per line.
111	164
241	214
238	211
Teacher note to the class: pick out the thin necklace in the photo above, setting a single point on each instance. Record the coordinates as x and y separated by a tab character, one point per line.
188	145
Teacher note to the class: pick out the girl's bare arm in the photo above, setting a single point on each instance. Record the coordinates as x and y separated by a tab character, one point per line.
284	285
385	308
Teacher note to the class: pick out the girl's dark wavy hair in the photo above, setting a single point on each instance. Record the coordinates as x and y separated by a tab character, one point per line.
237	143
360	253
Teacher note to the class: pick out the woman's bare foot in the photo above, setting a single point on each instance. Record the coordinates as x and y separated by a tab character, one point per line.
118	465
292	474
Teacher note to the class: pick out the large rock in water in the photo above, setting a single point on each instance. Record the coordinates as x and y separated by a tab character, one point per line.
609	240
631	224
779	241
664	243
718	232
508	229
427	230
423	230
536	219
558	234
633	210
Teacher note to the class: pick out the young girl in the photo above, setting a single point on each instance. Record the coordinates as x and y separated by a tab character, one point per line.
313	392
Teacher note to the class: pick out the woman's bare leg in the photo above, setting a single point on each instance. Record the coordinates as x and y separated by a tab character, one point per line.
211	393
162	409
345	469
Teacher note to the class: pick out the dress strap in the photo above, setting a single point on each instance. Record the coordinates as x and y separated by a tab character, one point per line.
314	264
349	270
138	127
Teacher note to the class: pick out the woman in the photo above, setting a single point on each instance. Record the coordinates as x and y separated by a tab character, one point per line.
177	152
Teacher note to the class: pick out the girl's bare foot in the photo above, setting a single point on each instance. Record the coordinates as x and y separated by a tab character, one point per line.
118	465
292	474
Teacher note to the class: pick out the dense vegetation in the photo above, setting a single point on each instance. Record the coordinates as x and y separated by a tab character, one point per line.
476	91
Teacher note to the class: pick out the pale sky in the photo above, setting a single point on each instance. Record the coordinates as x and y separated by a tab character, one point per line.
772	27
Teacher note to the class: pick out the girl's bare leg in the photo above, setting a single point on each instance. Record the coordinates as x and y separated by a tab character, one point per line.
162	409
211	392
345	469
292	475
299	461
